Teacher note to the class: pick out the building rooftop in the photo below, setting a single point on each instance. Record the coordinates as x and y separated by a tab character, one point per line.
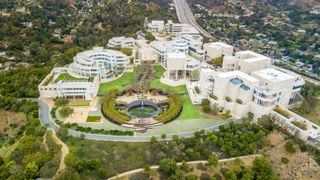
272	74
240	75
177	55
219	44
250	56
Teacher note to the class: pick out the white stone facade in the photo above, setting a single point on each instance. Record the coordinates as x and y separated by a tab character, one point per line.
98	62
121	42
217	49
81	79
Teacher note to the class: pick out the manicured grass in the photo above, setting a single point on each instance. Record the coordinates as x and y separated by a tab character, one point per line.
93	119
123	82
190	111
67	76
79	102
159	71
157	84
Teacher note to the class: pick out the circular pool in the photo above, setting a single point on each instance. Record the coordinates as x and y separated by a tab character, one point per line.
142	109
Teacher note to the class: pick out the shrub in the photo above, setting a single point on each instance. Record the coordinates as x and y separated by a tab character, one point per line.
227	114
213	96
301	125
61	102
110	112
197	89
127	51
228	99
53	112
290	146
282	112
284	160
239	101
65	111
139	176
206	105
174	110
76	127
191	177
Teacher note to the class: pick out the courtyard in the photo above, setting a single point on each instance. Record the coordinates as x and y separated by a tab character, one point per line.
190	119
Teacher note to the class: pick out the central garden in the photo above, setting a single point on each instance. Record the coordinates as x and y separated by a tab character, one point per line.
139	104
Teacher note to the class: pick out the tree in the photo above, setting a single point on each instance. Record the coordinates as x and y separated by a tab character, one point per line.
150	37
213	160
167	167
65	111
290	146
127	51
61	102
163	136
31	171
153	140
206	105
262	169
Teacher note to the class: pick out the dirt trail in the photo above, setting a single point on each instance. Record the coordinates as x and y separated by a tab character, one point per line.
64	152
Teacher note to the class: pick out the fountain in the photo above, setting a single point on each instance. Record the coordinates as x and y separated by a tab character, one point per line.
142	109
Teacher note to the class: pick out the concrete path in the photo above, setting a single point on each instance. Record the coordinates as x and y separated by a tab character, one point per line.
46	119
180	163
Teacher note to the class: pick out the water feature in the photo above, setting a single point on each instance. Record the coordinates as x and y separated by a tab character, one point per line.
142	109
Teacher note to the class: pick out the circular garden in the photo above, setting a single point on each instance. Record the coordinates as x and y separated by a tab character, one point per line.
123	107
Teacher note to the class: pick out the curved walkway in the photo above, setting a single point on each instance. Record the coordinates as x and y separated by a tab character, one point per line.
45	119
190	162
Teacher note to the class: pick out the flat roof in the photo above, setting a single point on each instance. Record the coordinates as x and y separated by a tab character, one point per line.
177	55
220	44
252	56
239	74
272	74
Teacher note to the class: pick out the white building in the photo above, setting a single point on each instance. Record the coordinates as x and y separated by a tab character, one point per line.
156	26
81	79
144	53
190	45
247	83
180	67
180	29
59	84
121	42
217	49
195	43
98	62
241	93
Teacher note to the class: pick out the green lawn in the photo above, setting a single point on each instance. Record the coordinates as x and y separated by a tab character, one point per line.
79	102
67	76
120	84
157	84
190	111
93	119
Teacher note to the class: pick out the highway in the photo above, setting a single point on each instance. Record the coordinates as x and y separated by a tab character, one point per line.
45	119
186	16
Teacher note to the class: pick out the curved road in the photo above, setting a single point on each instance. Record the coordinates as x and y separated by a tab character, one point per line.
45	119
186	16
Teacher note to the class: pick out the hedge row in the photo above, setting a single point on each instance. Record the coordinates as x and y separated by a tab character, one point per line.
174	110
110	112
76	127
